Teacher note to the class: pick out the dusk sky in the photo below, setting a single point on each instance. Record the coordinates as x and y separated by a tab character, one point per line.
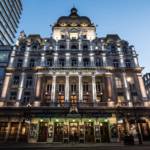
130	19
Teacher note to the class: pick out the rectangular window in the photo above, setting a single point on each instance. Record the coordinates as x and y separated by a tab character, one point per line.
118	82
85	87
61	88
73	88
29	82
26	97
13	95
16	80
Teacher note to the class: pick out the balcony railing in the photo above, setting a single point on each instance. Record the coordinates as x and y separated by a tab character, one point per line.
110	104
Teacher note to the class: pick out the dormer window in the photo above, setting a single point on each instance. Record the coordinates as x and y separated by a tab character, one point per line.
74	35
128	63
113	48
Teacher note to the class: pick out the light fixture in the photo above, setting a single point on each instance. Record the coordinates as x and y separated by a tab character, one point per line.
129	79
57	120
106	120
90	120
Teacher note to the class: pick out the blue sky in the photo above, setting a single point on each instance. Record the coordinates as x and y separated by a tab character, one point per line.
130	19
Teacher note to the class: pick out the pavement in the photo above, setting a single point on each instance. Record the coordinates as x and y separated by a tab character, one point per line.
73	146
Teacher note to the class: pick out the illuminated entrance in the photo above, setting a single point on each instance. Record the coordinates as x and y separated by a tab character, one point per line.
89	132
73	132
43	132
58	131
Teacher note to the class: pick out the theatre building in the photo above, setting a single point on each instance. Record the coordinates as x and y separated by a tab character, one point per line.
73	87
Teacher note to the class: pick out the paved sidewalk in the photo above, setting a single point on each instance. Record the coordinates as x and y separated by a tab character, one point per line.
73	145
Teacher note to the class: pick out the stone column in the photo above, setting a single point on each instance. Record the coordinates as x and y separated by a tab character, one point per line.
94	88
80	60
80	44
67	59
68	44
18	132
21	85
6	85
126	88
12	57
56	46
8	130
142	86
80	89
26	57
104	59
42	60
55	60
53	92
67	89
38	87
92	59
109	85
121	56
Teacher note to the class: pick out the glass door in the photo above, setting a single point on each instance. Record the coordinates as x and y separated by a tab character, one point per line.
73	132
58	131
89	132
104	128
43	132
23	135
13	131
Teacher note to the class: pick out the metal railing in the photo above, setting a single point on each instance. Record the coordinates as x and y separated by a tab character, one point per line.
81	104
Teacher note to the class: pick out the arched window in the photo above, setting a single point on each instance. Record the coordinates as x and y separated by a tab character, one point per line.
74	62
62	46
22	47
116	63
98	62
49	62
113	48
125	49
128	63
86	62
61	62
85	47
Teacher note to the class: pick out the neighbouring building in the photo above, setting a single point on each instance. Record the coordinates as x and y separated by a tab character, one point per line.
4	59
10	12
146	79
73	86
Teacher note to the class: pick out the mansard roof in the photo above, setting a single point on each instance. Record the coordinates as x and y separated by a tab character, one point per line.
73	20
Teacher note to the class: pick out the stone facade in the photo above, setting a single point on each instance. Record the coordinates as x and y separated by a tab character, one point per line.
74	86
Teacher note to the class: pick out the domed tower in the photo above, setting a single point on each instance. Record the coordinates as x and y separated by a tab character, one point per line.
74	26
